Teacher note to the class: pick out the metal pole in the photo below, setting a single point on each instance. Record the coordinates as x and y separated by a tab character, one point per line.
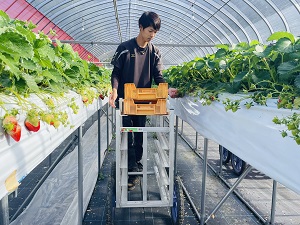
4	213
196	144
190	199
221	160
112	120
80	176
99	142
227	184
274	197
175	147
242	176
181	127
145	177
186	141
107	125
204	174
118	157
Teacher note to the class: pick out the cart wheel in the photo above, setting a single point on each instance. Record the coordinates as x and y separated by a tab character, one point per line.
226	154
177	210
111	196
238	165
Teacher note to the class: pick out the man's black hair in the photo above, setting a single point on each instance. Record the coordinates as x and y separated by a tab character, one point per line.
150	19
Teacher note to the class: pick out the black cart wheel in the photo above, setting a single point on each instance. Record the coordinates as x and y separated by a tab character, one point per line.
225	157
238	165
111	196
177	210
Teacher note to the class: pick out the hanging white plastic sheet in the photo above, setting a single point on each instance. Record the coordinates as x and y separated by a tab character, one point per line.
17	159
248	133
56	201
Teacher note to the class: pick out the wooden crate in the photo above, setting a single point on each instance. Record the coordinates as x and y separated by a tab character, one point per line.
153	108
145	94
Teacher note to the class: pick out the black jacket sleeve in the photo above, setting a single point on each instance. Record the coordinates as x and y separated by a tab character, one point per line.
157	67
117	61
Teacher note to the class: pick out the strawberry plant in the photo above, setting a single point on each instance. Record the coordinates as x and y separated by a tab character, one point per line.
259	71
11	125
31	64
293	126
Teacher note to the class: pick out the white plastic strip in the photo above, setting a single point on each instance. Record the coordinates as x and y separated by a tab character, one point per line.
248	133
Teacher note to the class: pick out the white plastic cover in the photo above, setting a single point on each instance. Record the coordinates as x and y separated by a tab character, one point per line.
248	133
56	201
17	159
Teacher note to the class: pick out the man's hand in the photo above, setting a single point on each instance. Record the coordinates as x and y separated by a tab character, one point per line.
173	92
112	97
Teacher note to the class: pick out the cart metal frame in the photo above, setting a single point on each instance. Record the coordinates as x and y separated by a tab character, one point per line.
164	159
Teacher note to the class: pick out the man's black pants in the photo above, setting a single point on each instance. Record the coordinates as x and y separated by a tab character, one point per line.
135	140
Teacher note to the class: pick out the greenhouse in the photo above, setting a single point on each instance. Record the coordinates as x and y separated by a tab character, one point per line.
149	112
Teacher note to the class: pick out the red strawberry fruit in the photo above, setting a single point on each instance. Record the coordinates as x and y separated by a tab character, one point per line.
101	96
32	125
11	126
16	133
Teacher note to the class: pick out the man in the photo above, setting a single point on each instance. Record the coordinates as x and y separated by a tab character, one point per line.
137	61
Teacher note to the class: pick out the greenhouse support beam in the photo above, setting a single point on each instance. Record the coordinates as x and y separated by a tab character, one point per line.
113	130
196	143
107	124
273	207
221	161
99	141
218	174
4	213
117	43
204	175
175	146
190	199
236	183
80	176
235	192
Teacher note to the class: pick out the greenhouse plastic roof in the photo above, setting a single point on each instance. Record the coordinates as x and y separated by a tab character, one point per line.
189	28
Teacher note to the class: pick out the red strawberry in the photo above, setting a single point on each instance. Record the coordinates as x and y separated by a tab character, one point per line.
101	96
9	123
85	99
16	133
31	126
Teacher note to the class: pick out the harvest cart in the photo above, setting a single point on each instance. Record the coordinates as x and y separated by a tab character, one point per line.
158	163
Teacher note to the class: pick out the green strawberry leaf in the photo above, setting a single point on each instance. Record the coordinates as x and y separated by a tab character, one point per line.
31	82
284	45
10	65
281	34
30	65
46	52
4	19
288	68
14	43
30	36
52	74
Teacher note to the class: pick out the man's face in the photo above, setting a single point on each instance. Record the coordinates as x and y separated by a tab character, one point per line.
148	33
